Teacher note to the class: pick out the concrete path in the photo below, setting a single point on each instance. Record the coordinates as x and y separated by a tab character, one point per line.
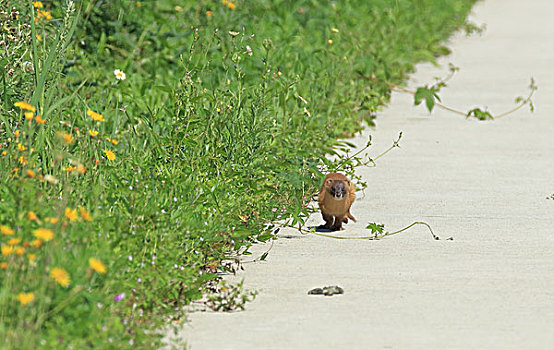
484	183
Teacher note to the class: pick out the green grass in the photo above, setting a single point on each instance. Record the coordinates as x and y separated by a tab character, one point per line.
214	145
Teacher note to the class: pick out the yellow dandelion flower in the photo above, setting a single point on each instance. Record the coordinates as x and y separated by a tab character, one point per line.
93	133
231	5
97	265
19	251
81	169
4	153
60	276
70	168
209	13
39	119
95	116
16	133
6	250
37	4
39	38
14	241
114	141
32	216
51	220
30	173
29	115
330	42
85	214
67	138
71	214
25	105
44	234
21	147
6	230
109	154
25	298
3	265
37	243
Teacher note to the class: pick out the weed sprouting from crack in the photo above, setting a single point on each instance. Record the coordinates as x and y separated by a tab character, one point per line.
230	297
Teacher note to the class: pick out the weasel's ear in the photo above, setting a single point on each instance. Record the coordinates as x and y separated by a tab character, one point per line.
329	182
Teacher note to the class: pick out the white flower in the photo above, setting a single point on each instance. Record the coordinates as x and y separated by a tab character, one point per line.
248	50
119	75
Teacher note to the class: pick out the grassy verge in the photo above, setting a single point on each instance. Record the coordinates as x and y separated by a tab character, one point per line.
119	198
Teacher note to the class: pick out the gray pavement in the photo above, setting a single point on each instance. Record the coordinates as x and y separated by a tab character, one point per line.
483	183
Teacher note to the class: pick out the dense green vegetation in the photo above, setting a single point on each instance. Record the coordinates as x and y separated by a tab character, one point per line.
120	198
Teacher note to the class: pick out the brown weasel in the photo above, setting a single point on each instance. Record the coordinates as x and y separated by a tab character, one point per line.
336	196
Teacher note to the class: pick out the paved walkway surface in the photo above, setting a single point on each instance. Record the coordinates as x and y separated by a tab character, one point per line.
483	183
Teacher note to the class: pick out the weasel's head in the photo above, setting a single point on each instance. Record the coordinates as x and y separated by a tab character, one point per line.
337	188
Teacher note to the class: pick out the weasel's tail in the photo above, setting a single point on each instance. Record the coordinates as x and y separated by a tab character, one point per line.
351	217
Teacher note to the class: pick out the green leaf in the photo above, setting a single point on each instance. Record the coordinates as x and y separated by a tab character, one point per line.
375	227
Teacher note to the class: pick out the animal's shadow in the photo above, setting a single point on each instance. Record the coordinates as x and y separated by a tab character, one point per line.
319	228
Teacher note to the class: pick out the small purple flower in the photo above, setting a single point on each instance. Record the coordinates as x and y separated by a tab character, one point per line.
119	297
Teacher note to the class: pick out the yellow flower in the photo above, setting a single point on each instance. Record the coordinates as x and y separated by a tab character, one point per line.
31	256
6	250
45	14
85	214
4	153
14	241
60	276
51	220
6	230
3	265
39	119
329	41
70	168
19	251
32	216
37	4
29	115
25	298
334	30
71	214
37	243
38	37
25	105
231	5
95	116
109	154
97	265
21	147
81	169
43	233
16	133
93	133
23	160
67	138
30	173
209	13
